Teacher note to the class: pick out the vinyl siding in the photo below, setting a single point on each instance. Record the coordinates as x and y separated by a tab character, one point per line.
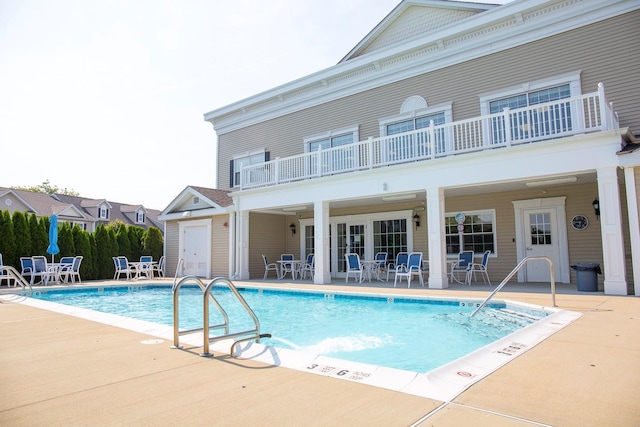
220	246
269	235
608	52
171	244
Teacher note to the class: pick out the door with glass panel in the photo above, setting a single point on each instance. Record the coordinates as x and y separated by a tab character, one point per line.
541	240
350	239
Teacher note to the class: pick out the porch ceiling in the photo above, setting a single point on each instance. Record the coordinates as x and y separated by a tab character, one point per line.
419	197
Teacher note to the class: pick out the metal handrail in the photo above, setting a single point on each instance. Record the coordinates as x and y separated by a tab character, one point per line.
16	277
209	297
514	271
175	278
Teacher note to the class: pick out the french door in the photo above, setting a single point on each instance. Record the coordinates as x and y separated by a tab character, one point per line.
351	239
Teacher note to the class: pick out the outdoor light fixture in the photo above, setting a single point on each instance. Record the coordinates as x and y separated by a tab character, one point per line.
416	220
292	227
596	207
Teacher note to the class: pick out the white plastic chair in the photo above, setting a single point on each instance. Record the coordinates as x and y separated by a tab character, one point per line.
308	267
412	268
401	259
354	266
481	268
463	264
159	267
287	267
270	267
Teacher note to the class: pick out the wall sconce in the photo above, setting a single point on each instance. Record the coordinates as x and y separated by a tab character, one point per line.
292	227
596	207
416	220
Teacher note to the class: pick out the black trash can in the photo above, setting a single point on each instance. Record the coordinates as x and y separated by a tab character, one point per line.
587	276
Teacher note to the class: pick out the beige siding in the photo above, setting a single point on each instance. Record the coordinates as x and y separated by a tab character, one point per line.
220	246
268	235
171	244
607	52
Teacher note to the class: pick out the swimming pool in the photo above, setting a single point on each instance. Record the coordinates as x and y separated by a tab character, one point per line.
442	383
402	333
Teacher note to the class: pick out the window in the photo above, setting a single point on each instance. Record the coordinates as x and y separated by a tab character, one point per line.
309	240
546	120
239	162
104	212
334	160
478	236
390	236
140	217
196	200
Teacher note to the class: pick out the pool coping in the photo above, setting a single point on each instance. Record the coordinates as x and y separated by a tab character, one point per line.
443	383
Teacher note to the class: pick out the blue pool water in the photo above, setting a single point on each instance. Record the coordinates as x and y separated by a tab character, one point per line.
410	334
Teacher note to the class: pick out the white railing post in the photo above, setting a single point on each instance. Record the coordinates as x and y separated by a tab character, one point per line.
602	104
507	126
432	138
319	162
370	148
276	171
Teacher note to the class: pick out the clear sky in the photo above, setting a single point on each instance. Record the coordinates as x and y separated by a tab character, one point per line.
107	97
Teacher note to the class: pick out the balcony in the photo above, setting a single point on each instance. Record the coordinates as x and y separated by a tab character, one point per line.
566	117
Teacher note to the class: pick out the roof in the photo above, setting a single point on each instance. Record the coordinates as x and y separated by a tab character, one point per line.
196	202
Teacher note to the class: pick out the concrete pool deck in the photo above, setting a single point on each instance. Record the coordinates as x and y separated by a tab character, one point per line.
62	370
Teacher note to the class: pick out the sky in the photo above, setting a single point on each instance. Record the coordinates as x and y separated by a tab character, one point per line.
107	97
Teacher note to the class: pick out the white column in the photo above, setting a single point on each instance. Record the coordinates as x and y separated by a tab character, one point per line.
232	244
242	259
322	273
611	228
634	225
437	251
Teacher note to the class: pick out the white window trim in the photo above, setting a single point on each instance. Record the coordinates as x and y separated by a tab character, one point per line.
355	130
572	78
242	156
102	209
445	108
494	227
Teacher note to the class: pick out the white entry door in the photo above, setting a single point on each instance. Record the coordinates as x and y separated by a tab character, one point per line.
541	231
196	251
541	240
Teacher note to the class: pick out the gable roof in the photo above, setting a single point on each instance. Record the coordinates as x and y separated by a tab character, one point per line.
414	18
43	204
196	201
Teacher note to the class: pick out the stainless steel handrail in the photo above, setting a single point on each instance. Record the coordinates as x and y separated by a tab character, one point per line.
175	278
209	297
16	277
514	271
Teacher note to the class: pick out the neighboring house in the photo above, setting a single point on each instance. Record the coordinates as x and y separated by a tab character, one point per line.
199	228
517	120
83	212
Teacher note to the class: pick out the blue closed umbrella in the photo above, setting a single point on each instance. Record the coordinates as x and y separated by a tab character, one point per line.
53	236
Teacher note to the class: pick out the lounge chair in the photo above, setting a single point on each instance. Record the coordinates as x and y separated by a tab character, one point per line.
463	264
270	267
354	266
482	268
412	268
401	259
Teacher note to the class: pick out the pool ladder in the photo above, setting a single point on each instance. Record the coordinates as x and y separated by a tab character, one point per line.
7	273
514	271
243	336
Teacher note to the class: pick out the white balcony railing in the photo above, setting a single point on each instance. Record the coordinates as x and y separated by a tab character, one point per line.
578	115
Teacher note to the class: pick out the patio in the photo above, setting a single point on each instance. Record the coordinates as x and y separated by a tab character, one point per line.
63	370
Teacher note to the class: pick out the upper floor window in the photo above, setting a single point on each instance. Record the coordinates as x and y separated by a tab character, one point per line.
331	139
104	212
140	217
241	161
415	123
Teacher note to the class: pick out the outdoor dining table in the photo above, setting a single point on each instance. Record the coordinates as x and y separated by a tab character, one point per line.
296	264
137	266
371	268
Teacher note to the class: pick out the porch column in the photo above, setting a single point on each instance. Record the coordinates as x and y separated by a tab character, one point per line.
436	234
242	259
322	274
634	225
611	228
232	244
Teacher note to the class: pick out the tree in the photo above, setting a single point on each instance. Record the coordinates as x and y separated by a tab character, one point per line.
39	237
153	244
135	238
48	188
124	245
65	240
8	242
104	261
83	247
21	234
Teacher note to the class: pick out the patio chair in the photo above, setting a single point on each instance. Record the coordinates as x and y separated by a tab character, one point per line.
401	259
4	275
71	271
308	267
381	260
287	267
40	269
270	267
463	264
122	267
26	266
159	267
354	266
482	268
412	268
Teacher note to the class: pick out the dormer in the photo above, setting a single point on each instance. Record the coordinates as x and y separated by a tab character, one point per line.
101	209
